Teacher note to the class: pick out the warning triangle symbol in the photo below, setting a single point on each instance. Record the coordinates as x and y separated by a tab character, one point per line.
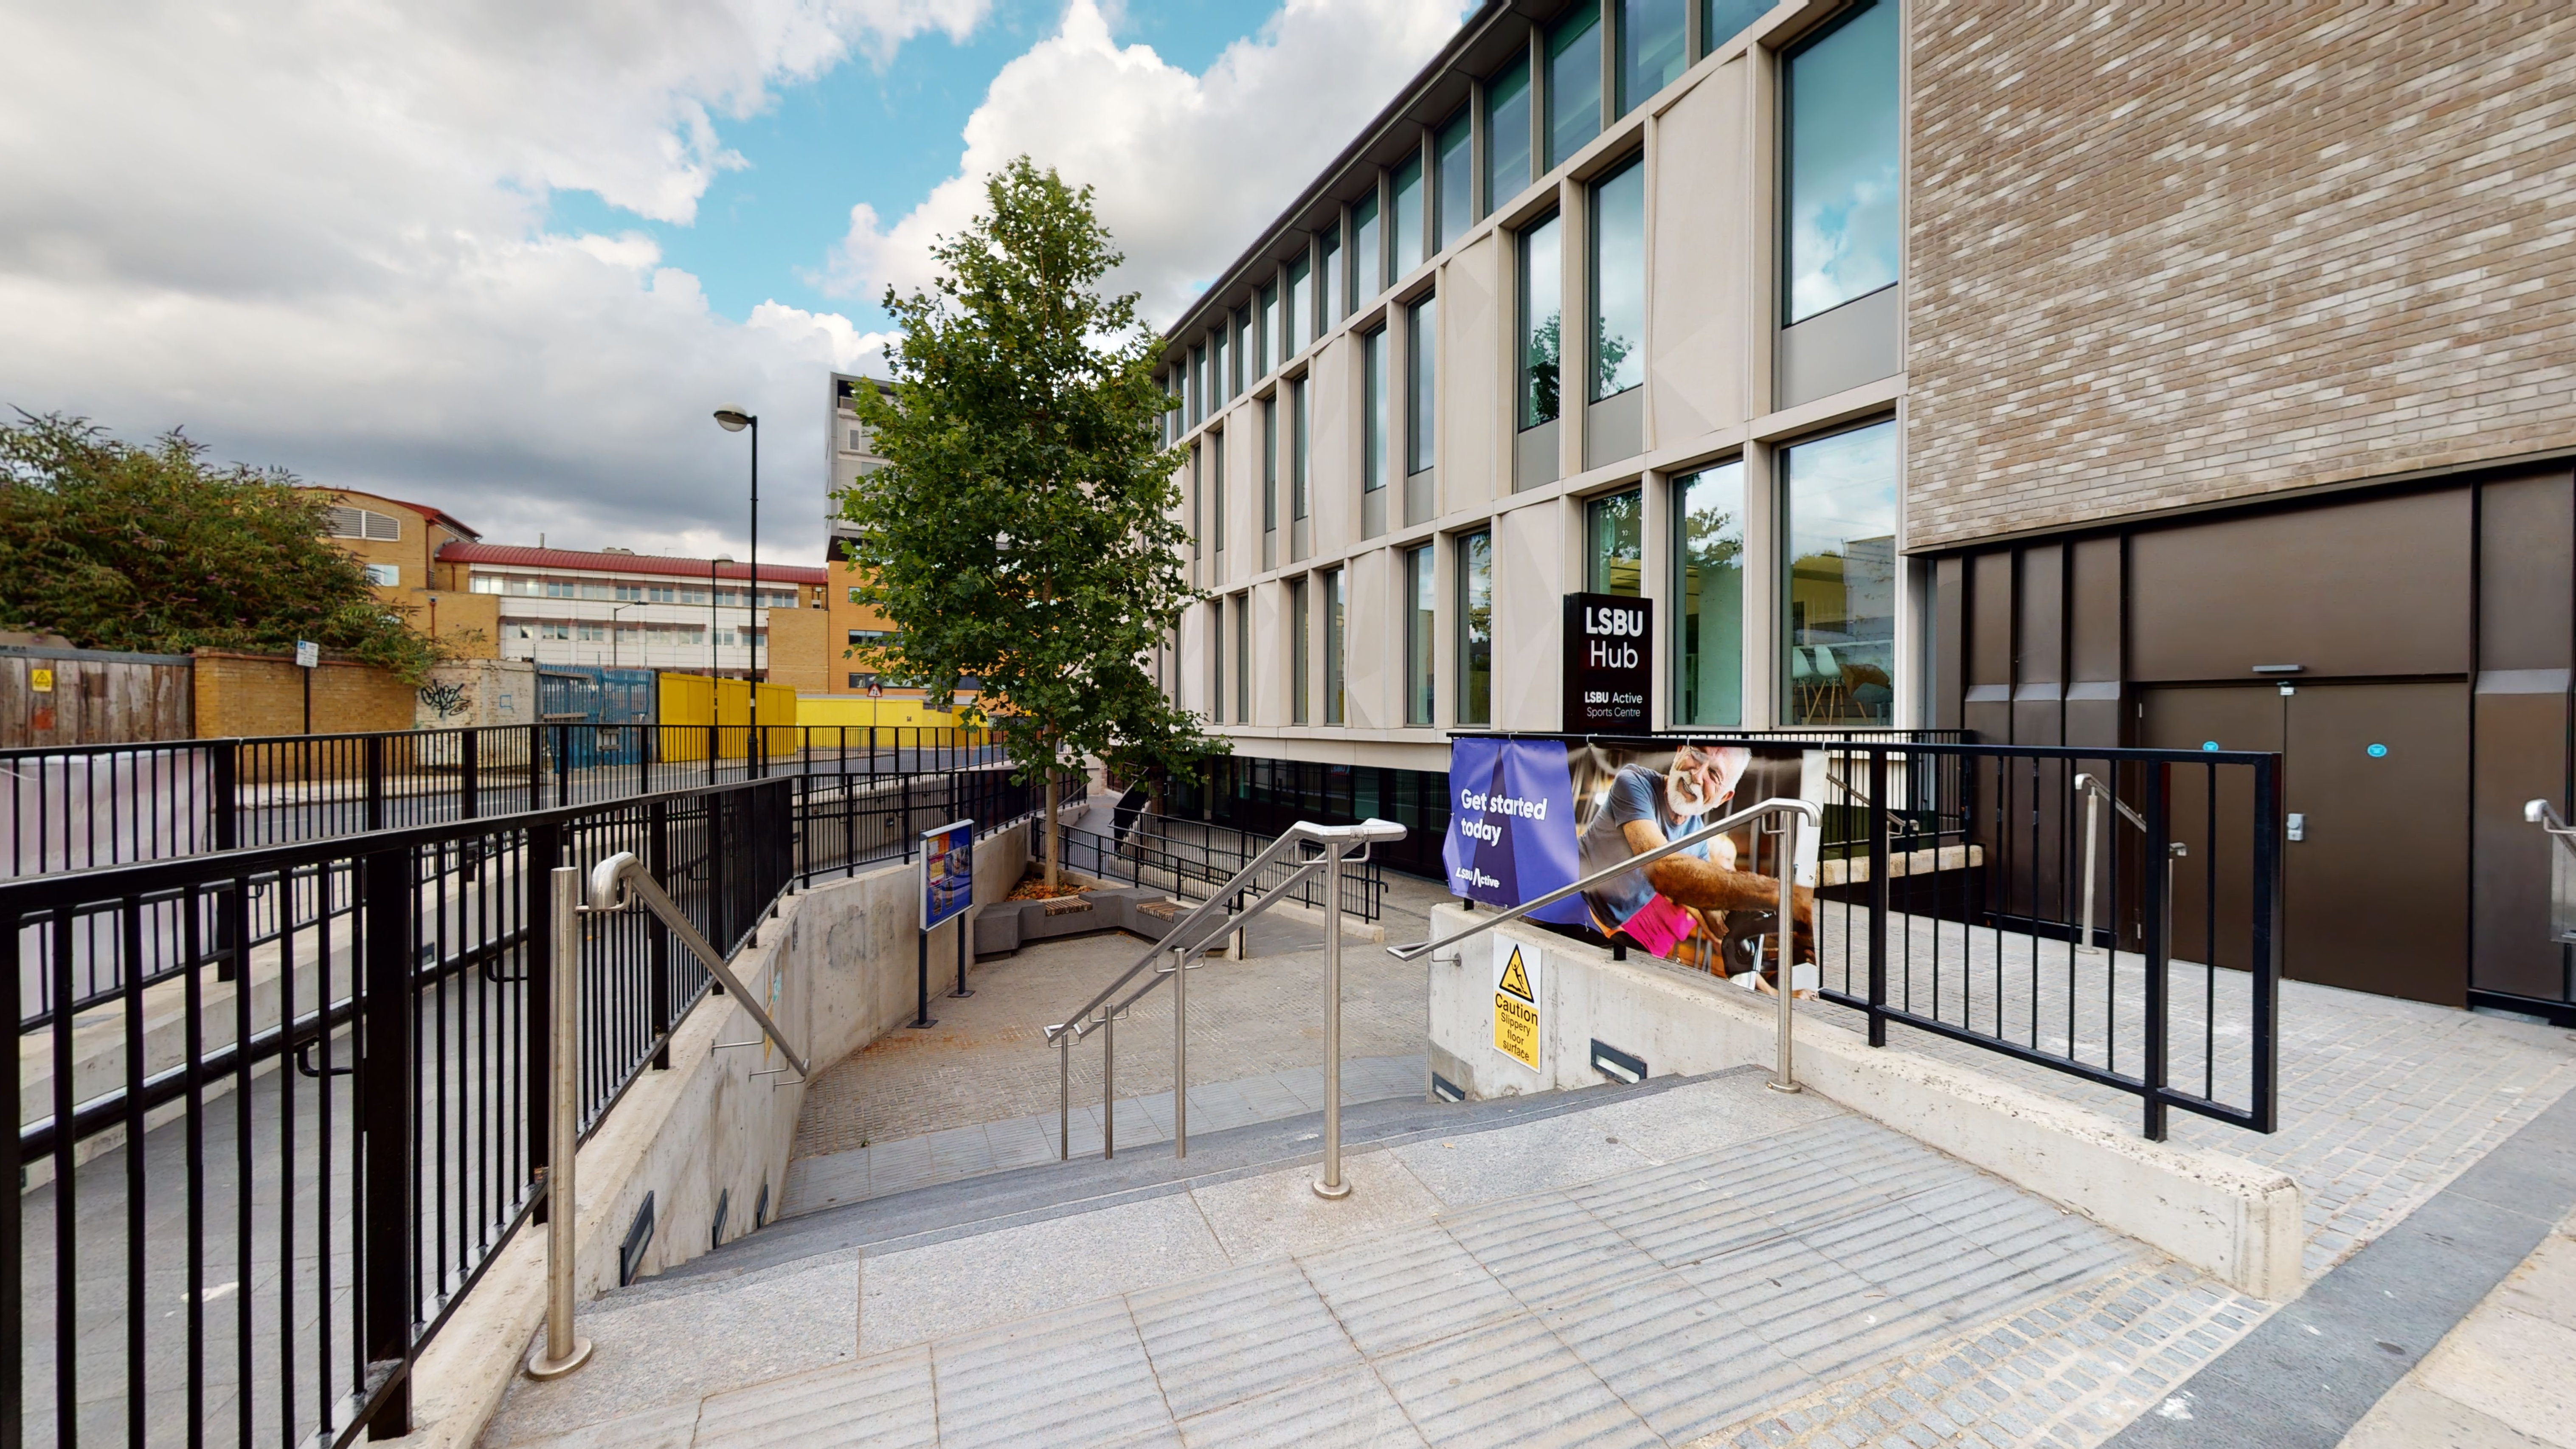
1516	980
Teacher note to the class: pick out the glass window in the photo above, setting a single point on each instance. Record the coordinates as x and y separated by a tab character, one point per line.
1242	342
1336	603
1198	501
1269	465
1329	282
1198	385
1296	312
1653	48
1297	660
1243	659
1266	350
1723	20
1421	362
1417	635
1368	253
1408	216
1476	627
1507	134
1619	282
1297	499
1841	205
1216	482
1573	83
1373	411
1218	379
1216	661
1542	300
1614	531
1708	567
1453	155
1840	498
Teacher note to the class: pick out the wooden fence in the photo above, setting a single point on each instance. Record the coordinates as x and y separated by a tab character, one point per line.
52	695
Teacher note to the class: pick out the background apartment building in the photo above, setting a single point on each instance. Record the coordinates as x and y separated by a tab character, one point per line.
629	610
2186	376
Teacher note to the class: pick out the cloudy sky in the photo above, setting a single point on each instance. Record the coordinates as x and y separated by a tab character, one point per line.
504	256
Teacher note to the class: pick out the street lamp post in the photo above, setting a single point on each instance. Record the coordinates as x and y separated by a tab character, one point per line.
615	637
733	419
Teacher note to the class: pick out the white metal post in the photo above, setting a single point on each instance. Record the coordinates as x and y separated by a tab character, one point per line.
564	1351
1331	1185
1180	1054
1784	848
2092	846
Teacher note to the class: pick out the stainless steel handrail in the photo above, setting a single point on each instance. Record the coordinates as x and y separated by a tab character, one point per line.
622	881
1101	1014
2545	815
1784	1079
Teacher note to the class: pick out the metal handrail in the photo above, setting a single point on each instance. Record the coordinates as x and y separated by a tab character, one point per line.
2545	815
622	881
1178	943
2093	786
2095	793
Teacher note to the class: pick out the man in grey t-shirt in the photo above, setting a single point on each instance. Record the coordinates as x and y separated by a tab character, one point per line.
1676	906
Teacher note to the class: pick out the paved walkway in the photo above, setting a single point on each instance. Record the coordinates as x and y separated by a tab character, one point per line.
1709	1264
2500	1379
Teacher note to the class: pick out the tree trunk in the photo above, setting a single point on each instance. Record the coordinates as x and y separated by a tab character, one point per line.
1054	851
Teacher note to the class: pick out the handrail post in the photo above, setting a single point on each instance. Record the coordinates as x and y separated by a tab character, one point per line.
1331	1184
385	1096
1064	1097
563	1350
2092	848
1180	1053
1108	1083
1784	853
2159	947
1882	896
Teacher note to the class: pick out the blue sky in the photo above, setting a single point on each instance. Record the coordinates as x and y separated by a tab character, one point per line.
885	136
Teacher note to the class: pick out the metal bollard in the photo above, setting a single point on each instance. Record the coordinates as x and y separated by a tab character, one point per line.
1180	1055
1784	849
563	1351
1331	1184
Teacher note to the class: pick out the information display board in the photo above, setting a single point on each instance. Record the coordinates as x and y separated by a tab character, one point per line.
947	873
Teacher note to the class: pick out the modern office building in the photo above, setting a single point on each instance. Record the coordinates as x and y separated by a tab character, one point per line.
2174	375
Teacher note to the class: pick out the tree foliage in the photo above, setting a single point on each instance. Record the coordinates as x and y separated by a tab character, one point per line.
1023	528
116	546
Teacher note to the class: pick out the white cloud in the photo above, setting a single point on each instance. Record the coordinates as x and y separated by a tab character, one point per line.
1187	168
311	230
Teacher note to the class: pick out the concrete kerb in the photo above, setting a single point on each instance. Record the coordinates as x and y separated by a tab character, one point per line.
2237	1221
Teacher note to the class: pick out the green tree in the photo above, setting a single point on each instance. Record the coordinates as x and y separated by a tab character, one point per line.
115	546
1023	528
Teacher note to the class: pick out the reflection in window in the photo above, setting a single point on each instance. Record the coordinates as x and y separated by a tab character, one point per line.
1542	307
1368	253
1840	498
1723	20
1198	505
1619	282
1269	465
1216	482
1266	349
1453	160
1216	661
1328	280
1421	360
1476	627
1217	371
1373	385
1507	134
1297	660
1408	216
1296	312
1573	83
1297	440
1417	635
1841	203
1242	344
1198	386
1708	559
1243	659
1614	533
1335	603
1653	48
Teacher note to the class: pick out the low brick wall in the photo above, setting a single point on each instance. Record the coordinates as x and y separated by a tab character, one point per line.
241	694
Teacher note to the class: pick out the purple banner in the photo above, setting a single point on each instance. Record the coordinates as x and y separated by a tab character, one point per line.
1511	825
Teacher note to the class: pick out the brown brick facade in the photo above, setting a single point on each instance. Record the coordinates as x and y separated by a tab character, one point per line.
2173	254
260	694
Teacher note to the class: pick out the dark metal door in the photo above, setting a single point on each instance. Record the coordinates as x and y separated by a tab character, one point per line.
2378	883
2211	813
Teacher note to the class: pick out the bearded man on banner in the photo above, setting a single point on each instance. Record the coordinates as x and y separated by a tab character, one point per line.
1692	906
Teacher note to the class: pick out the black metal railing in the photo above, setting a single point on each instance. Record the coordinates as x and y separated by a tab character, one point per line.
294	1098
77	808
2114	915
1191	858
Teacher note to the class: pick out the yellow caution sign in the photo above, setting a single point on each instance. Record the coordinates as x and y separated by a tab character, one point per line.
1516	1008
40	681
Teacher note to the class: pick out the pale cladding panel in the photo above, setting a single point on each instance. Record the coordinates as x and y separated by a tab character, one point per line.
1472	390
2165	254
1699	270
1529	619
1374	644
1333	472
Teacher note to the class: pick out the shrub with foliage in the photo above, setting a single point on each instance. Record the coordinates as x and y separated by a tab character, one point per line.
152	549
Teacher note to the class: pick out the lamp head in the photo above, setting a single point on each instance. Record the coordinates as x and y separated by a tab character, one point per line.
733	418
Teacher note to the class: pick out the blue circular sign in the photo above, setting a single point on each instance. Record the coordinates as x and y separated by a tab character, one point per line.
2209	744
2377	752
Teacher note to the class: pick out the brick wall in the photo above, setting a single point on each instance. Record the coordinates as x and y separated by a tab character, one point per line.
259	694
2177	253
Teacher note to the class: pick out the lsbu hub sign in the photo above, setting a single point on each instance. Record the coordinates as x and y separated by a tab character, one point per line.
1609	663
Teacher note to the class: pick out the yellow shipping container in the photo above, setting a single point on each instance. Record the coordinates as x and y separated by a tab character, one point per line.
695	699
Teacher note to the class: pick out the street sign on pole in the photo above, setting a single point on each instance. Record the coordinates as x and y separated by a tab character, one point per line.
308	655
947	884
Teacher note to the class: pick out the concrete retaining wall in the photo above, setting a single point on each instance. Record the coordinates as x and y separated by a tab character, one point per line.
2233	1219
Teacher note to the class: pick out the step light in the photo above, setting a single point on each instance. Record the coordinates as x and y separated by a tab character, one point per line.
630	1254
1617	1065
1445	1089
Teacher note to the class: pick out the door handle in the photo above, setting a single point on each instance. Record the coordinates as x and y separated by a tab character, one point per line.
2298	826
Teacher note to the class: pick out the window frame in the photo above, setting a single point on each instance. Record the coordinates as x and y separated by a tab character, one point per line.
1634	166
1525	369
1466	546
1421	633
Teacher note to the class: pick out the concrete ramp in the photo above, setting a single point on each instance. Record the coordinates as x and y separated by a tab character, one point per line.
1686	1261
